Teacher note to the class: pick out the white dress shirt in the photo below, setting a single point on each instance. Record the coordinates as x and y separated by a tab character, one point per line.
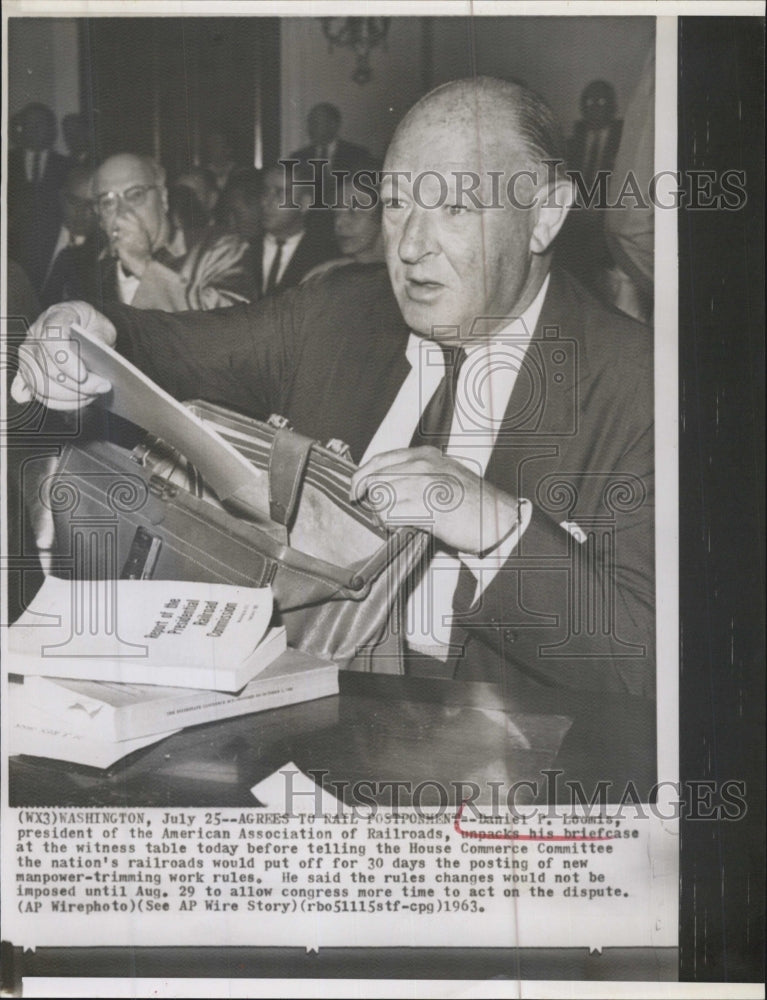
485	384
330	151
127	284
29	163
289	247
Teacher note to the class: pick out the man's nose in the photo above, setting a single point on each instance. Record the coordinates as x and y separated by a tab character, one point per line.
419	237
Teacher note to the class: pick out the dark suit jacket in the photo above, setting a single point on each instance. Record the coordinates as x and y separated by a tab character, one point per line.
577	442
576	147
34	213
348	156
314	248
74	274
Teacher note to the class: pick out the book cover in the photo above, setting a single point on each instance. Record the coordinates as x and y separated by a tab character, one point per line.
127	711
159	632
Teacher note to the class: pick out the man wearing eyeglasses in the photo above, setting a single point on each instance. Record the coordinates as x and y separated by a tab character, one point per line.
148	265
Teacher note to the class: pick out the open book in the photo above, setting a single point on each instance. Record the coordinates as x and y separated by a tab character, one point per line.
175	634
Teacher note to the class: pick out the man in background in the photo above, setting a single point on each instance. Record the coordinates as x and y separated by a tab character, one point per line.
597	135
149	265
35	177
288	248
325	153
591	153
356	224
202	183
323	126
239	205
77	139
218	154
73	265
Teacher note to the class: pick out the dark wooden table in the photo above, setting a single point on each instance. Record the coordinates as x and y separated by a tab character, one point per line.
394	734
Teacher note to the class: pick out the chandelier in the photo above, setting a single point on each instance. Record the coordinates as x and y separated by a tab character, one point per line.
361	34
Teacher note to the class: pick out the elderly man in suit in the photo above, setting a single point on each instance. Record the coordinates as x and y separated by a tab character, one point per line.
506	411
149	265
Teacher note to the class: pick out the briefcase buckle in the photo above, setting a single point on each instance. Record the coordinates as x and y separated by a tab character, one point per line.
161	488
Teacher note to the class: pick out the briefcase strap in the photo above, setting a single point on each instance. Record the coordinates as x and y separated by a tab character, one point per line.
287	462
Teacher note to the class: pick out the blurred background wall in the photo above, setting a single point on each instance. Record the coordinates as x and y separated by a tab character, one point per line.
155	84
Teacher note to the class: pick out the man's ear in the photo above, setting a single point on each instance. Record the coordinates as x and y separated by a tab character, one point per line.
556	201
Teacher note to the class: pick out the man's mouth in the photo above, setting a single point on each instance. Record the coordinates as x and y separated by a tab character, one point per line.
422	290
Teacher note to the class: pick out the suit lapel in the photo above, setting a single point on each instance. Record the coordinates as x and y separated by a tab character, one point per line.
295	269
541	408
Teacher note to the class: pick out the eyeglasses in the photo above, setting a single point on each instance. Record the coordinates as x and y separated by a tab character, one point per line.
135	197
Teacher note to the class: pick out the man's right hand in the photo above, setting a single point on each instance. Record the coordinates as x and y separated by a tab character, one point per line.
50	369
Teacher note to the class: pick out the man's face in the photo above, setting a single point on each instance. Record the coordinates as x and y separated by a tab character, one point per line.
278	218
356	229
244	216
125	177
206	196
77	208
453	264
598	104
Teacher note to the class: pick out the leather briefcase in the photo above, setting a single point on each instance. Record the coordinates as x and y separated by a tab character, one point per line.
142	510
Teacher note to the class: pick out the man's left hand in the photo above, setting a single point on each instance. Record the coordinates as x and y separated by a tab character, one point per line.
426	489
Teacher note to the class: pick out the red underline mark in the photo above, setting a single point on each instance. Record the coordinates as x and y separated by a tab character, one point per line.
480	835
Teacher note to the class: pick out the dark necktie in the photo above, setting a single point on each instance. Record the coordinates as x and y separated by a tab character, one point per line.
36	168
274	270
433	428
593	153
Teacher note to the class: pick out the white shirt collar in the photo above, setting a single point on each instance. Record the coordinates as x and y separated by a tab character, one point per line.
29	158
520	329
287	244
330	148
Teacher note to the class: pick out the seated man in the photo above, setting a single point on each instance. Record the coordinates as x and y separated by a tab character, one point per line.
202	183
146	263
356	224
502	408
288	248
239	205
80	241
